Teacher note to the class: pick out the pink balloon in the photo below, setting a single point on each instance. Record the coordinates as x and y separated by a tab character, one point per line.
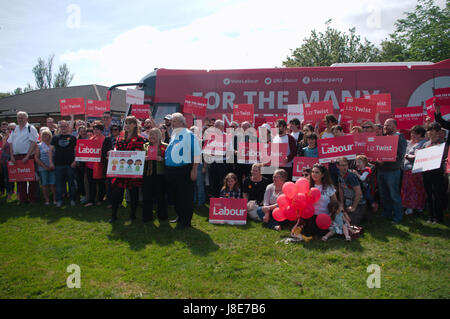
323	221
283	201
290	213
302	185
299	201
307	212
289	189
278	214
315	194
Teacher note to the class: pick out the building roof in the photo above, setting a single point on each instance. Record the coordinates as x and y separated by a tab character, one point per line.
46	101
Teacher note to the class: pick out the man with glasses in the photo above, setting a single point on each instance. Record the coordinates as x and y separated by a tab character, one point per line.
64	159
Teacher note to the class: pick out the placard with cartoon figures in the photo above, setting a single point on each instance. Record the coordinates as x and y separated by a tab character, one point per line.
126	164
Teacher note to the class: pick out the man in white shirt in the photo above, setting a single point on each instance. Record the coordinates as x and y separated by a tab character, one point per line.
23	142
283	138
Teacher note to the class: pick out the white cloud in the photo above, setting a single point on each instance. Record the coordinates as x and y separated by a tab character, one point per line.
251	34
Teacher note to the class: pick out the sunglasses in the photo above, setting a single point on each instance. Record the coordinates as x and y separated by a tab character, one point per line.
367	127
114	129
305	175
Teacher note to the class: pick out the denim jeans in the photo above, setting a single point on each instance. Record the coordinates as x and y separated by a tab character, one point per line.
199	190
391	200
271	223
65	173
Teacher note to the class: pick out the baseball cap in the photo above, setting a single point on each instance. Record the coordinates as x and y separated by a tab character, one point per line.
168	117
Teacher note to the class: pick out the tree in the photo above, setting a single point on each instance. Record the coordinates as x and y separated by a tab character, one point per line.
63	78
424	35
44	76
333	46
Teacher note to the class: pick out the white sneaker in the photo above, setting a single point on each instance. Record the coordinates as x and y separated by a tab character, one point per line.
72	203
58	204
409	211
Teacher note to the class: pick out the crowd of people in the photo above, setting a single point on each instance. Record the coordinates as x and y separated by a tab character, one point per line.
183	177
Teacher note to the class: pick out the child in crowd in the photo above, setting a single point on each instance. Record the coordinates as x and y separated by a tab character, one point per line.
311	150
230	187
363	172
340	222
46	168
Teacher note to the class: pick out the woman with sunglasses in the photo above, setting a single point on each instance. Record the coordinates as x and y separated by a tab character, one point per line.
131	141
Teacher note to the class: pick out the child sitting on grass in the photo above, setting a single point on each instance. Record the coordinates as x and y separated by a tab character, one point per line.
230	187
340	222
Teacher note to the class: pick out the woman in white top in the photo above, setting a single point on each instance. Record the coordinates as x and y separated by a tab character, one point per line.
320	179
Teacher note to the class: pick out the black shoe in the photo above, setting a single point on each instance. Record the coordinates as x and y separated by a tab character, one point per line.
174	220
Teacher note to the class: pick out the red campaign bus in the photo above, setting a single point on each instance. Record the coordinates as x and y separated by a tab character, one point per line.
271	90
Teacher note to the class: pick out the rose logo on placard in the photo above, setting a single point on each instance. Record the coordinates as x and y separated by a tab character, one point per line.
306	80
268	81
226	81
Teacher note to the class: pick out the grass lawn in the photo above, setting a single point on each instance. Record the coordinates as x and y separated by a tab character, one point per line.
155	260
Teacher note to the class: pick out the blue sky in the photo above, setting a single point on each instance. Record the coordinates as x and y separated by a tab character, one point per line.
107	42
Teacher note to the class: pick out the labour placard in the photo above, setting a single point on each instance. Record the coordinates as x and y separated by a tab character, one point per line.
331	149
140	111
316	112
247	153
231	211
428	158
383	101
382	148
407	117
88	150
361	141
71	106
359	109
126	164
152	153
97	108
243	112
300	163
195	105
21	172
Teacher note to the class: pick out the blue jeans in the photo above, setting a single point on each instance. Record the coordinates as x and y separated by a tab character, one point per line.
391	200
65	173
199	190
272	222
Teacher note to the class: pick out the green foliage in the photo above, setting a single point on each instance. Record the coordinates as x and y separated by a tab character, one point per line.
423	35
333	46
44	77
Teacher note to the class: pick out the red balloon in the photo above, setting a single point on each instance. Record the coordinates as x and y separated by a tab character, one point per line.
290	213
323	221
307	212
283	201
299	201
315	194
302	185
289	189
278	214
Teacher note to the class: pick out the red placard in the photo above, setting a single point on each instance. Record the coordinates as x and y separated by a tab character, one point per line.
332	148
88	150
71	106
231	211
272	120
195	105
273	153
315	112
21	172
382	148
383	102
152	153
361	142
97	108
407	117
243	112
300	163
359	109
442	96
430	107
140	111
